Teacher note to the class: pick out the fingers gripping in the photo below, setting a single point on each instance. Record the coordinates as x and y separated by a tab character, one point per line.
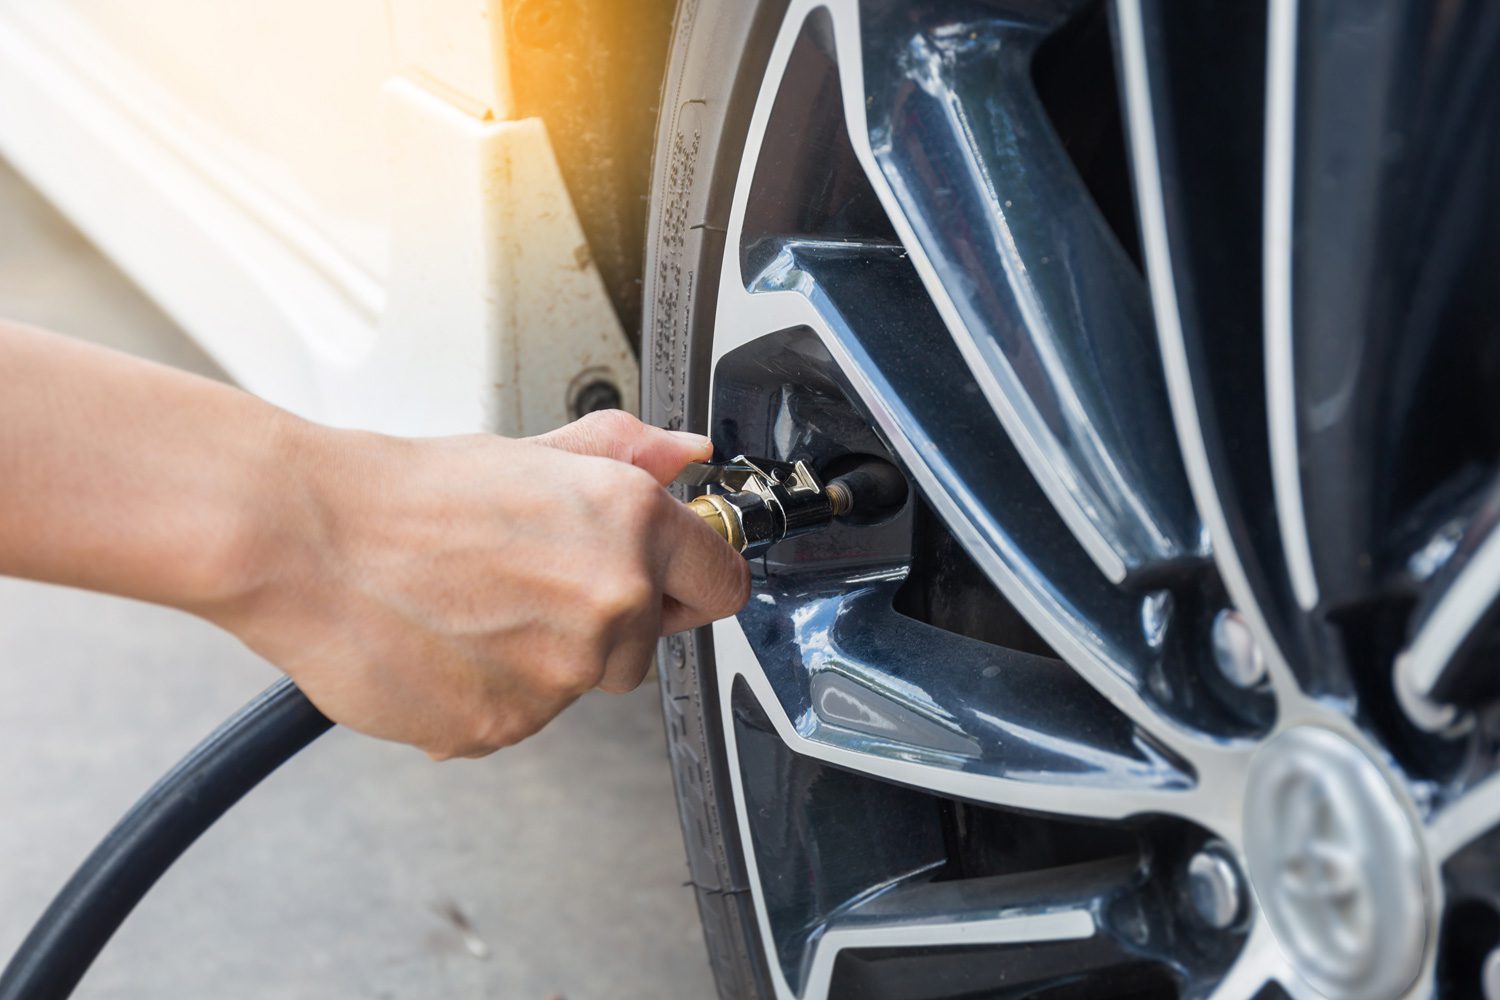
703	579
618	435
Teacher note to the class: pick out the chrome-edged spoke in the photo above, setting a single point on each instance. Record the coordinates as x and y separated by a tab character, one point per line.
1031	909
1460	606
1377	253
993	736
877	339
1472	815
1114	904
1058	923
1042	300
1045	926
1188	408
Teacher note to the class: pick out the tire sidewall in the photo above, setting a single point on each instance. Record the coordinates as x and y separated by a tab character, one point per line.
719	52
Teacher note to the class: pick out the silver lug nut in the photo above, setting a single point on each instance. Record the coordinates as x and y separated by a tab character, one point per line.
1215	888
1236	652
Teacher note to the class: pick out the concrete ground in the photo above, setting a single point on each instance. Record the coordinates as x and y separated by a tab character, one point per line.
361	869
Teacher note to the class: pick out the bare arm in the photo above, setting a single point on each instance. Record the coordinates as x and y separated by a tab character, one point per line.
452	593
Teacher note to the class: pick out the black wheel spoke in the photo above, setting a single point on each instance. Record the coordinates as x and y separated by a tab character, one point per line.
983	888
1201	224
1456	625
1386	153
1054	934
881	692
866	303
1046	304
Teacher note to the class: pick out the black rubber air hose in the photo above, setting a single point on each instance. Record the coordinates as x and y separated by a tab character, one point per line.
165	822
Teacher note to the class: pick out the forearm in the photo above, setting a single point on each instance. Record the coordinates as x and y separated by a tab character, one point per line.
454	594
124	476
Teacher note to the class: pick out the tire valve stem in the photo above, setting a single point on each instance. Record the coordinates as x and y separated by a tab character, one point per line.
756	502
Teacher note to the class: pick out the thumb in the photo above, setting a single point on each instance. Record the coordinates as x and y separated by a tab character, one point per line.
616	434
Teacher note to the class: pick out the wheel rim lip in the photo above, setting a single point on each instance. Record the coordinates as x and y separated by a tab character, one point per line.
1236	764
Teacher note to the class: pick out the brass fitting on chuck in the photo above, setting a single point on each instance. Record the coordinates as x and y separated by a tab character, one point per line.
759	502
756	502
719	515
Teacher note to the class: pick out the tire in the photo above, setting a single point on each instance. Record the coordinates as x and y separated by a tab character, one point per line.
703	116
1170	678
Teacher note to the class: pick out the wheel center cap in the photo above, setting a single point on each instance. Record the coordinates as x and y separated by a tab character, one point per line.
1337	867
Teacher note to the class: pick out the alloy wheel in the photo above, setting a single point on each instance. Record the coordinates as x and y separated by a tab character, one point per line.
1172	677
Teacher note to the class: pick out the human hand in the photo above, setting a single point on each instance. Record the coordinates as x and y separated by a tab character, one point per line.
457	593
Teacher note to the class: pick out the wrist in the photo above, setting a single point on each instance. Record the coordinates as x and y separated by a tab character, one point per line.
271	538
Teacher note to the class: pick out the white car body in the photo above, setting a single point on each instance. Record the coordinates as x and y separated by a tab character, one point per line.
334	199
